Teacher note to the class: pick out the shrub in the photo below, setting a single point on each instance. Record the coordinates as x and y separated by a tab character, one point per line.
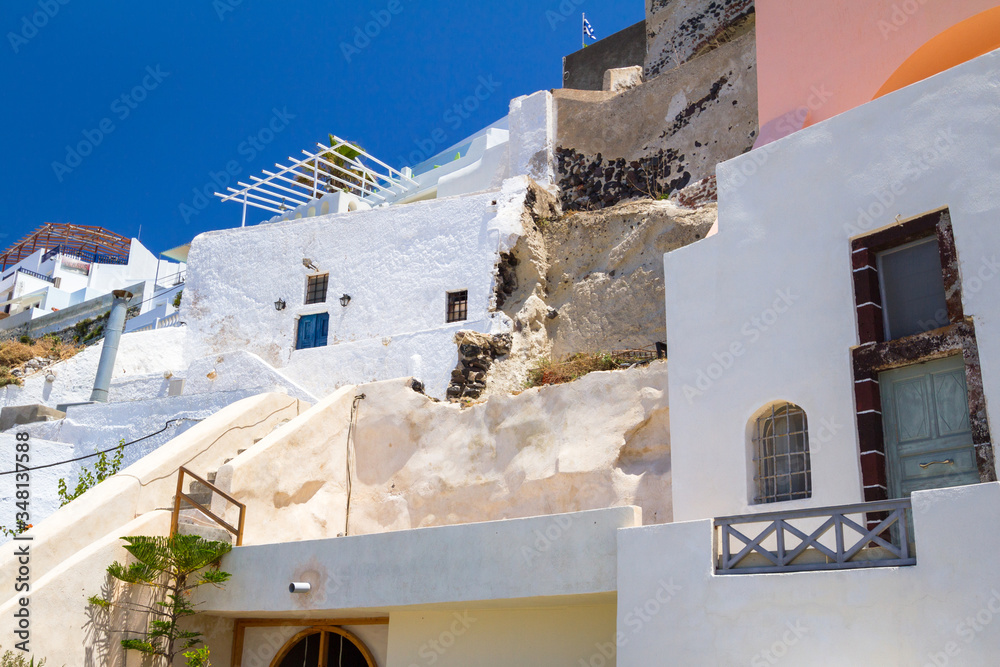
575	367
87	480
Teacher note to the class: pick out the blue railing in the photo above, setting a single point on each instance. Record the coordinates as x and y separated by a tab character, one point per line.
36	275
51	253
97	258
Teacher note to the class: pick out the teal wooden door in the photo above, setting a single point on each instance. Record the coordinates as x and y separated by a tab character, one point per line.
925	420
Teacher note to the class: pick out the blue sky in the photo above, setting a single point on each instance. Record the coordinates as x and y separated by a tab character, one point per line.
169	93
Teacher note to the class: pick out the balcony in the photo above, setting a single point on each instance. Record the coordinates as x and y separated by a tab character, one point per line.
831	538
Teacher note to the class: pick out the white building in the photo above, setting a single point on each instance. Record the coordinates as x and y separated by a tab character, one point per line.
59	273
824	432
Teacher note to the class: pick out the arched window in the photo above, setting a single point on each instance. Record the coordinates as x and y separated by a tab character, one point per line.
781	454
324	647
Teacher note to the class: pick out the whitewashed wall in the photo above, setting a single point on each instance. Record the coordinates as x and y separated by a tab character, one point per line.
775	284
942	611
397	264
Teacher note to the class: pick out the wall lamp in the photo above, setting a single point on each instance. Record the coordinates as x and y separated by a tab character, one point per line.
344	300
299	587
279	304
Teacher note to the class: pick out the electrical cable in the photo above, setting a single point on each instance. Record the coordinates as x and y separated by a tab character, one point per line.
90	456
350	455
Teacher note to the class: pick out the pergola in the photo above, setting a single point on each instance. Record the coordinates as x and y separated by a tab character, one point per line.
303	181
71	239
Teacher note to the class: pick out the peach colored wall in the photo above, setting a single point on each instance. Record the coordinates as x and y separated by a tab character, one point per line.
834	55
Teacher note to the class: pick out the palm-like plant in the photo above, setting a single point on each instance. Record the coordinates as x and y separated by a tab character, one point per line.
171	567
324	177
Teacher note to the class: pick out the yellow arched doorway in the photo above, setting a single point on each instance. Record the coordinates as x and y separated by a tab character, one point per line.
324	646
960	43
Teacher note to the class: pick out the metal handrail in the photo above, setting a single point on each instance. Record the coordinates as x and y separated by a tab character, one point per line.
35	275
180	495
783	558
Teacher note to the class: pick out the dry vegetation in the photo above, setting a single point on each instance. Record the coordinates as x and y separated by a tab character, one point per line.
558	372
14	354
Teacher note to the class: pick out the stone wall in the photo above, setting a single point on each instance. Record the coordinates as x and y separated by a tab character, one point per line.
584	70
657	138
678	31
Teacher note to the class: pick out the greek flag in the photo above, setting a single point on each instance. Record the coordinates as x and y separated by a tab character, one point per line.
588	30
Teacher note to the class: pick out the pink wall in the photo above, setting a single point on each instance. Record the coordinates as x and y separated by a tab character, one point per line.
830	56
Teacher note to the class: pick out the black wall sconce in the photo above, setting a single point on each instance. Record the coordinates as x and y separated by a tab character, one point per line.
344	300
279	304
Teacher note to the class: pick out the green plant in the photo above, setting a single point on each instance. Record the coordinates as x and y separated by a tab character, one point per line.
322	176
177	299
26	339
11	659
171	568
103	468
14	532
198	657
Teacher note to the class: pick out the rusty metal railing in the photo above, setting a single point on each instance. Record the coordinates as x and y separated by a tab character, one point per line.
180	496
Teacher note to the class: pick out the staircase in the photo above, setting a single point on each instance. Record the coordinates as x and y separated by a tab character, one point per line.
192	521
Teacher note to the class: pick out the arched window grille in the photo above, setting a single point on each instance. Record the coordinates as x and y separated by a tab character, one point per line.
781	454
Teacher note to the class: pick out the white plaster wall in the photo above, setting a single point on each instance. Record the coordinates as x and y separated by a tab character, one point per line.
532	137
775	284
150	483
942	611
43	483
65	628
536	557
139	353
567	635
396	263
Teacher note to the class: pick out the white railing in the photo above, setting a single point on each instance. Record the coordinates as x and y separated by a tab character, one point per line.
816	539
172	320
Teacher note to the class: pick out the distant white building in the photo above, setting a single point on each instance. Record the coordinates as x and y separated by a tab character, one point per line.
58	274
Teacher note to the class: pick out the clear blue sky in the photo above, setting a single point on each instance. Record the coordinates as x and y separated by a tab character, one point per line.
210	74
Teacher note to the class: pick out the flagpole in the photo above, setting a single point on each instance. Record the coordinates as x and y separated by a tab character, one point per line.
583	30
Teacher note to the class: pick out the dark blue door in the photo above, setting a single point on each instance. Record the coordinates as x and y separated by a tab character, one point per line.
313	331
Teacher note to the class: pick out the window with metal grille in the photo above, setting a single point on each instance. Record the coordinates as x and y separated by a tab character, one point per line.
316	288
458	306
781	455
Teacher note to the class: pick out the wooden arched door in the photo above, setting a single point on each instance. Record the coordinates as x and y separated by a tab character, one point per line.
327	646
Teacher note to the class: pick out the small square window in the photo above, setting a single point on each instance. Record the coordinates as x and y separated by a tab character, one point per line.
316	288
458	306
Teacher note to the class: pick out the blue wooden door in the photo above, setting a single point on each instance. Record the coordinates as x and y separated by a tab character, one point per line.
313	331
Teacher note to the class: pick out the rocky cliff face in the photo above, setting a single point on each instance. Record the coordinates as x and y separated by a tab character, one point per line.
588	282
